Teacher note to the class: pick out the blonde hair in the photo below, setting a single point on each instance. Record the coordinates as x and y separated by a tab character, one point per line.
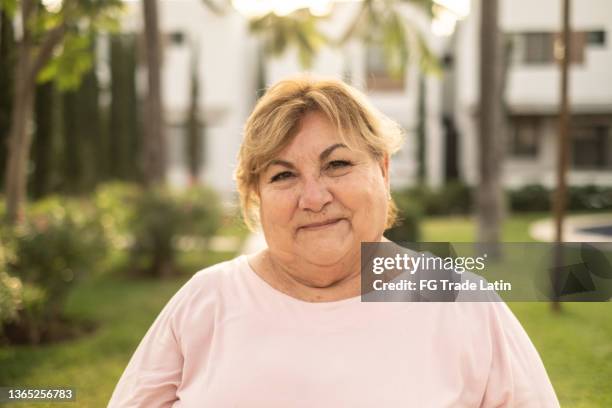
275	121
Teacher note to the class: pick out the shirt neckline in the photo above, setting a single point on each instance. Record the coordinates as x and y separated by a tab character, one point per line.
287	298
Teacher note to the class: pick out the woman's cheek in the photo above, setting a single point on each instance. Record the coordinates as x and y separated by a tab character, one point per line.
280	205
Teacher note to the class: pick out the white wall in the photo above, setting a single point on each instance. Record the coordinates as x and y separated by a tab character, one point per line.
541	84
227	77
535	88
227	86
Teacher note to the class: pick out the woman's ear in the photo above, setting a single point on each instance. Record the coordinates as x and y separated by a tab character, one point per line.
384	166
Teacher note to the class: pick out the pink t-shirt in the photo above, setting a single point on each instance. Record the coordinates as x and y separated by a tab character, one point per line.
229	339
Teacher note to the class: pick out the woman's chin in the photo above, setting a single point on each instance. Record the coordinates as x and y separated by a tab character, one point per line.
324	253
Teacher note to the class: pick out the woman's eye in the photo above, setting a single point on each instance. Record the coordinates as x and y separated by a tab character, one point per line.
281	176
336	164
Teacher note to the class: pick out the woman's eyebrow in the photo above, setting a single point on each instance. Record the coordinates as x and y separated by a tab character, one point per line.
280	162
324	155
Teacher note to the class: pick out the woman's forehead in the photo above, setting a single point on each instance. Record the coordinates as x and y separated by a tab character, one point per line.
317	134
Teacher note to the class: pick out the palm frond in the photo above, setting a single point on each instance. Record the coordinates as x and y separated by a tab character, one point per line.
380	23
298	29
216	6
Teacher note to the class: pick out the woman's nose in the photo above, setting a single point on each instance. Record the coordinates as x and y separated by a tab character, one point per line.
314	195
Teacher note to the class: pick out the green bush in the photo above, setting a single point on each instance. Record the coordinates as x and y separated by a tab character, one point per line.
450	199
533	197
59	244
579	198
453	198
114	203
21	305
10	287
407	227
589	198
26	322
161	216
11	296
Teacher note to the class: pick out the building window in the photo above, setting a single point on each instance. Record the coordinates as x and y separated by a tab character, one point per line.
175	38
597	38
378	75
538	48
524	137
591	147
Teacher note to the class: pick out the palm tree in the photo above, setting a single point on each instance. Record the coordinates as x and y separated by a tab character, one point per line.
154	135
154	138
489	196
378	22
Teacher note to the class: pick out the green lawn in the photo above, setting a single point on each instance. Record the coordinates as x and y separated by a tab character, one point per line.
576	346
92	365
462	228
124	310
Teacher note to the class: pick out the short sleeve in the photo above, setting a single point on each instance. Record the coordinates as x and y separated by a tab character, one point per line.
154	372
517	376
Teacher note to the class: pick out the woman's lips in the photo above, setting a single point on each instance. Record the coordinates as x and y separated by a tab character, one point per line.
319	226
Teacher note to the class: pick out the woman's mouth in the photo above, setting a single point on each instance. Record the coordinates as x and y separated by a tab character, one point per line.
321	225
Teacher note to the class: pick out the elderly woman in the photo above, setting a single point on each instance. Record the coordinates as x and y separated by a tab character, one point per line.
286	327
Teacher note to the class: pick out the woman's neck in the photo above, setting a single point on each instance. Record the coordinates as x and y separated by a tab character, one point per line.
310	282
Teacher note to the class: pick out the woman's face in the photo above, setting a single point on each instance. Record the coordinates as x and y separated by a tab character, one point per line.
321	199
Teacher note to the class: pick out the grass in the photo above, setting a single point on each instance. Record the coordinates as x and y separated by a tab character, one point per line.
124	310
92	365
576	345
462	228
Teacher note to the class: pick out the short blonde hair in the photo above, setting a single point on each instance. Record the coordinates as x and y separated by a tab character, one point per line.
276	119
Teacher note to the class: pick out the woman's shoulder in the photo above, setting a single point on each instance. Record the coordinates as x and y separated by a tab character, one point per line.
218	271
215	277
201	293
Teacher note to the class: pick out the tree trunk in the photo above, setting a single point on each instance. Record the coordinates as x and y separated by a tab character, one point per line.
154	140
20	136
27	67
489	193
20	139
563	155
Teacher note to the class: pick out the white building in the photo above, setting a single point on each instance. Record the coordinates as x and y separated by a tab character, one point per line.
532	92
228	66
227	72
223	50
